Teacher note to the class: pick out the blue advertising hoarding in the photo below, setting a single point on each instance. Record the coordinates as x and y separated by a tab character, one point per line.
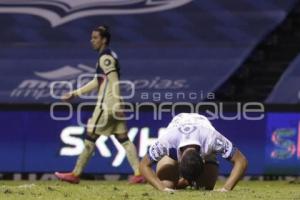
31	141
283	144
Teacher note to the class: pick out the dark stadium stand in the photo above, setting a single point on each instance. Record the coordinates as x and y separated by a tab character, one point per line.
287	88
206	41
260	72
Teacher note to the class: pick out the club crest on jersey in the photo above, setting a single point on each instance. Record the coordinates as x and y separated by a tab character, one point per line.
187	129
107	62
59	12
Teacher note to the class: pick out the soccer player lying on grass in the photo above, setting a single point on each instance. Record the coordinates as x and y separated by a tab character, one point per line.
186	155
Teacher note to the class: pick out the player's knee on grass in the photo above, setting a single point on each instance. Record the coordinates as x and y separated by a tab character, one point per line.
182	183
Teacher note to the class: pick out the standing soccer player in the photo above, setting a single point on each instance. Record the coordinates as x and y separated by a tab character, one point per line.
103	121
188	150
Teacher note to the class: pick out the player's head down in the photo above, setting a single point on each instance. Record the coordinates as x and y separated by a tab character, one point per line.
191	165
100	37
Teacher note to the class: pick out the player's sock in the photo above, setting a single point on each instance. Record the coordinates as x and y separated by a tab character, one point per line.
132	156
84	157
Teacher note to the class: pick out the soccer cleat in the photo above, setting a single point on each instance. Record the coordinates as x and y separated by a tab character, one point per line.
137	179
67	177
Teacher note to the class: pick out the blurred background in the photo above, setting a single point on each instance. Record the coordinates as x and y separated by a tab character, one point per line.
216	55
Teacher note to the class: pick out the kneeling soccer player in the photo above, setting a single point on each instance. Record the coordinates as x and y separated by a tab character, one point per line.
186	155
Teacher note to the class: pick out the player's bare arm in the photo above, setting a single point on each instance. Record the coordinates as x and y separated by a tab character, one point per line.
240	164
149	174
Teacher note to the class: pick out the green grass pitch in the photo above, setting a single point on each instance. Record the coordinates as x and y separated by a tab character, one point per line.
121	190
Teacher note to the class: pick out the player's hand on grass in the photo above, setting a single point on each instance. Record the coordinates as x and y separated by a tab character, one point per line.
222	190
169	190
68	97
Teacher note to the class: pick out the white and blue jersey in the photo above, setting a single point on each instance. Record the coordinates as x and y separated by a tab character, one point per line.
190	129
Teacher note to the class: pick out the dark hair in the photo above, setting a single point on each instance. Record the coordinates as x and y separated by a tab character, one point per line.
104	33
191	166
